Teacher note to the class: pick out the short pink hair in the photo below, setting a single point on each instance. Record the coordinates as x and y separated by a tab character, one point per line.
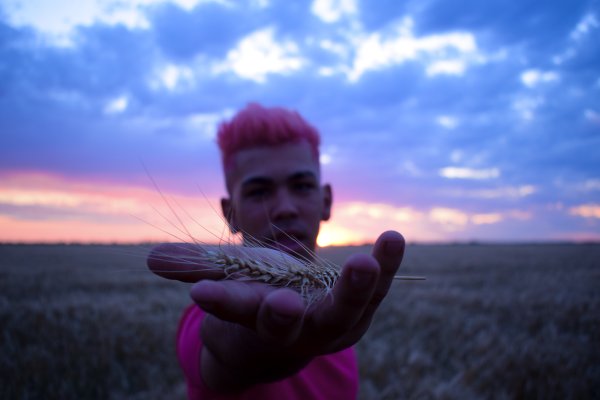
256	125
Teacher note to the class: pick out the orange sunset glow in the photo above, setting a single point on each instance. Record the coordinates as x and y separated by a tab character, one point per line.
49	208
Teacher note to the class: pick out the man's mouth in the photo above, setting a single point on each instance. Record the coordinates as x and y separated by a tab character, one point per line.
290	242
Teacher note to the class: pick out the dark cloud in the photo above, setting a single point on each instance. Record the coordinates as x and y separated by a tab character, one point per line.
106	61
213	29
30	213
526	22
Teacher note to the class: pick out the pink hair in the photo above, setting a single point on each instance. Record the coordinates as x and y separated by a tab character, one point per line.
256	125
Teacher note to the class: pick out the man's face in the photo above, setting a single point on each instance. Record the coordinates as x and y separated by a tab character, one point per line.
277	197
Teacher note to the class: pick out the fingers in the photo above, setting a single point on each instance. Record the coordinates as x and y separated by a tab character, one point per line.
276	315
388	251
350	297
231	301
280	317
264	353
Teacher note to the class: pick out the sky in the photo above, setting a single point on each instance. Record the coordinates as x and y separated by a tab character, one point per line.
449	121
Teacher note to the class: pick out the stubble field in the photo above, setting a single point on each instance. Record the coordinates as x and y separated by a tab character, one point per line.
491	321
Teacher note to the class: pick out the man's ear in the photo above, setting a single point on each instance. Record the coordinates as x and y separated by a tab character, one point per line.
228	213
327	201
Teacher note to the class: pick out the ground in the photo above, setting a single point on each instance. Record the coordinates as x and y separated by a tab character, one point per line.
490	321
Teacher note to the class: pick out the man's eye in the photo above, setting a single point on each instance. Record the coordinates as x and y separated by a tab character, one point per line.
304	186
257	193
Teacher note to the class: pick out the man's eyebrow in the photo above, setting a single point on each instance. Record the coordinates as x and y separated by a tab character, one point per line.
303	175
257	180
263	180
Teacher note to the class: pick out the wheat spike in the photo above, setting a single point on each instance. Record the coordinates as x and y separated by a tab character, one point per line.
266	265
312	279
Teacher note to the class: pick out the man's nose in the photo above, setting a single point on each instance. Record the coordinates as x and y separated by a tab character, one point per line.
284	206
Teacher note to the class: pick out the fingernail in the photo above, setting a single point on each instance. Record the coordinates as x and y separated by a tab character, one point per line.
281	319
393	246
207	306
203	294
361	279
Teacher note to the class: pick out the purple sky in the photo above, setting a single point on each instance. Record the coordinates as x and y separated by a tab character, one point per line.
446	120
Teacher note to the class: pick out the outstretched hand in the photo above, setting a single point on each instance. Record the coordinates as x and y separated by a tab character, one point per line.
256	333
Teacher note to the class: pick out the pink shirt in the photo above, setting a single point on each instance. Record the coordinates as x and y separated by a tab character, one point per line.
334	376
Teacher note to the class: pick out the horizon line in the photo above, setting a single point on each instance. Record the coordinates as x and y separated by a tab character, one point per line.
408	243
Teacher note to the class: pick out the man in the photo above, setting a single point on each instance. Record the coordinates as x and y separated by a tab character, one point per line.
248	340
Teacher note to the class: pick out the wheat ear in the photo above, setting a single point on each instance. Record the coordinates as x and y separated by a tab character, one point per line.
193	262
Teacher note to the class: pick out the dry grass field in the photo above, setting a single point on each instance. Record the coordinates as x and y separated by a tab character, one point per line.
491	321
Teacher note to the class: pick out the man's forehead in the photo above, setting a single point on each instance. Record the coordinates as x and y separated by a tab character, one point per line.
272	162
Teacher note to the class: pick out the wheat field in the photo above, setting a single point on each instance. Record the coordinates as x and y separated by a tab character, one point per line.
491	321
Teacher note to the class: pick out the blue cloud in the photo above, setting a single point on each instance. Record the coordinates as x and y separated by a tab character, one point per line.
209	28
387	11
526	22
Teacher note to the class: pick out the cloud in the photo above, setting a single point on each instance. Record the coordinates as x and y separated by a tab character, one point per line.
398	44
208	28
587	23
469	173
447	121
526	106
117	105
449	218
259	54
32	190
40	207
491	218
524	22
332	10
446	67
58	25
375	18
586	211
590	185
592	116
531	78
206	124
506	192
172	77
360	222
